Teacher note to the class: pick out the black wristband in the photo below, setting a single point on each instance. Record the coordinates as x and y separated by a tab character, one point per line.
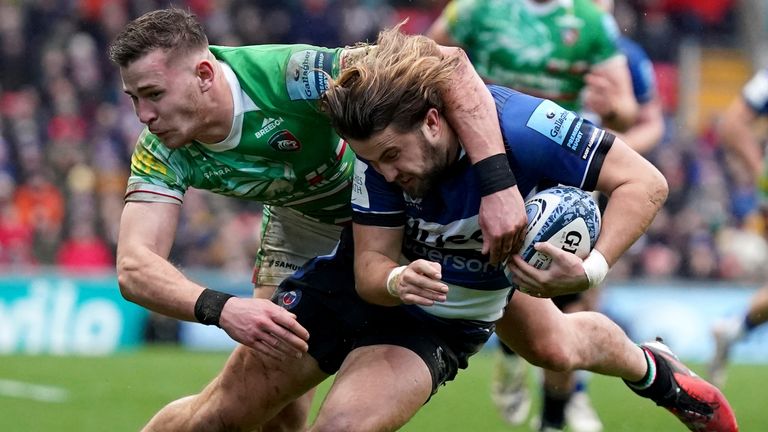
493	174
209	305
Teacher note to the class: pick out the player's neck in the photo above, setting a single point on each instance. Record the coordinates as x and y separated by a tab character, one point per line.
217	112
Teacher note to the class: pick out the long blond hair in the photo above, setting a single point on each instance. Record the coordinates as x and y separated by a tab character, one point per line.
394	85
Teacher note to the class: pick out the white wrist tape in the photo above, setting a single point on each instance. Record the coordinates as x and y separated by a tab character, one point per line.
393	280
596	268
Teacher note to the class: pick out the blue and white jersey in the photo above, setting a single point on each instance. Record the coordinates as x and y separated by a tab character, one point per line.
640	70
755	92
546	145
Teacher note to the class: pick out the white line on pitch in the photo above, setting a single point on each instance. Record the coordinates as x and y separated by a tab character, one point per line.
23	390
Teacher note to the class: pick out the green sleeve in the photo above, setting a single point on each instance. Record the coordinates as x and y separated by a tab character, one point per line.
605	44
155	169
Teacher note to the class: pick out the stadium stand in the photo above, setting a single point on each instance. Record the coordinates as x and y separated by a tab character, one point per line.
66	132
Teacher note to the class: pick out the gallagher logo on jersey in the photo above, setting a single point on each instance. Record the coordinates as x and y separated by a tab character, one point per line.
554	122
306	76
284	141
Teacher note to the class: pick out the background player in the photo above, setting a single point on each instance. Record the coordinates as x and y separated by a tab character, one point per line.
738	136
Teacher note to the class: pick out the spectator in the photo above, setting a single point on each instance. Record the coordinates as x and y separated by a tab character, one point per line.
83	250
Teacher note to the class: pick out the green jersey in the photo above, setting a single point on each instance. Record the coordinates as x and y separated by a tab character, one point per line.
540	49
281	151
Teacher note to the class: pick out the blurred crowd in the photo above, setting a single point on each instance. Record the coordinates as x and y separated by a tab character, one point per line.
67	133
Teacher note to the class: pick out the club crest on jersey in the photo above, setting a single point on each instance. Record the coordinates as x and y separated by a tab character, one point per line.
570	28
284	141
569	36
289	300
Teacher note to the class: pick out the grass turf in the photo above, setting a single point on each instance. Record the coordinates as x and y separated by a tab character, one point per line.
120	392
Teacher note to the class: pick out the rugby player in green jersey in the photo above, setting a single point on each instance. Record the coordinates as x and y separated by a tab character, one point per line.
566	51
563	50
245	122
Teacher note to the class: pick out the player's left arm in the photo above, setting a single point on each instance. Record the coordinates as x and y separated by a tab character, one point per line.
380	280
637	191
471	111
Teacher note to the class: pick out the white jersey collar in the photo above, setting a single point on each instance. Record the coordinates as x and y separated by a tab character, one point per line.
545	8
242	104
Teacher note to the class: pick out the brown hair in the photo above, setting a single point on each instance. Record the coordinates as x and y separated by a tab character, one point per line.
175	30
395	86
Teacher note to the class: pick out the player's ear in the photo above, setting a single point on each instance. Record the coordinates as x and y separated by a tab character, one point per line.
205	74
432	123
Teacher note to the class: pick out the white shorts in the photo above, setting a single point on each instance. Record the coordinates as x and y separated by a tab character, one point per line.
288	240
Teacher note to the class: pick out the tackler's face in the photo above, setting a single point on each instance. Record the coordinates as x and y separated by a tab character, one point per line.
166	95
413	159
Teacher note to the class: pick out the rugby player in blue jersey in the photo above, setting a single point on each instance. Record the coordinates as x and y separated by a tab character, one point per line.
417	251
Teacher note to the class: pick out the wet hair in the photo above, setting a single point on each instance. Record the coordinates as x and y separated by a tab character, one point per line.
174	30
395	86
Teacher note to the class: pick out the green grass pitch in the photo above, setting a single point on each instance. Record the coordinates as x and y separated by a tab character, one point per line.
119	393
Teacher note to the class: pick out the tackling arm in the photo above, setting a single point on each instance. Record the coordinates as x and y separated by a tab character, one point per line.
147	278
471	111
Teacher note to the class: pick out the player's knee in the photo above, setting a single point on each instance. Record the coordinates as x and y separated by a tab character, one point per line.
551	356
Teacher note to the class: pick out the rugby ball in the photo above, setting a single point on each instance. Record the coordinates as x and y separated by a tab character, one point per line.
564	216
